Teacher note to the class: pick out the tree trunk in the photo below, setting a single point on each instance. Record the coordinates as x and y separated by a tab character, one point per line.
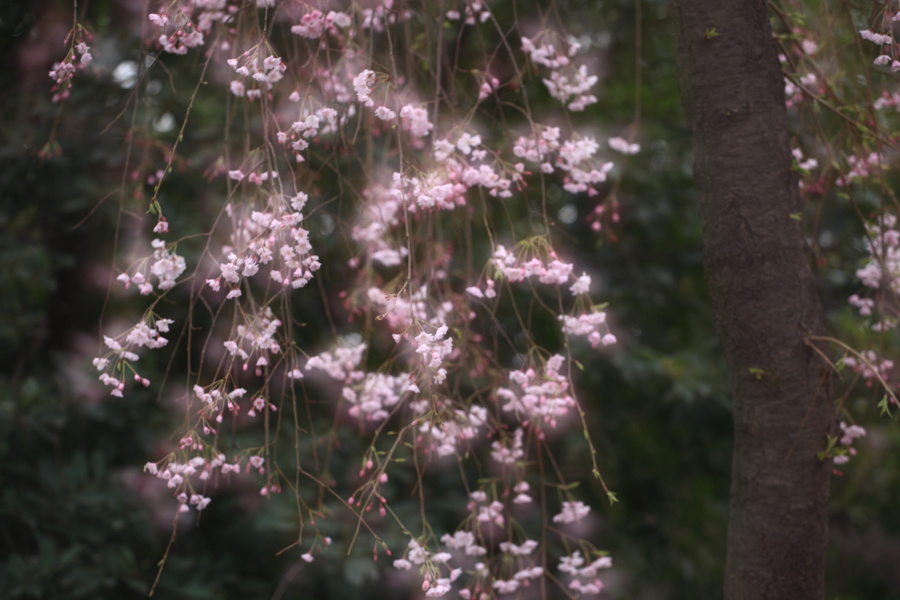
764	297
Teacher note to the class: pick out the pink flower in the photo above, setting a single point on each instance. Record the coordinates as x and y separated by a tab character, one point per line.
311	26
571	512
362	84
582	285
415	120
623	146
385	114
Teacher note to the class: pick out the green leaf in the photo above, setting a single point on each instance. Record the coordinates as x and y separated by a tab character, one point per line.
885	405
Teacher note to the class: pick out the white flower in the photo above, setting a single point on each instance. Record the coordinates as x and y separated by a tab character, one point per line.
362	85
571	512
506	587
622	146
402	564
415	120
339	19
582	285
385	114
466	142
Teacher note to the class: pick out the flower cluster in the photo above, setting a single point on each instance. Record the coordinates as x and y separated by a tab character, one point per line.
184	477
402	312
849	434
882	270
860	167
248	67
314	24
414	119
121	355
575	157
398	181
78	58
434	348
255	337
183	29
377	394
512	451
589	325
215	401
178	478
887	100
362	85
272	236
434	587
794	93
488	293
572	89
584	577
475	12
879	39
540	148
382	15
881	275
323	121
572	512
516	569
807	164
515	270
167	267
623	146
538	398
568	84
449	431
371	396
872	368
341	365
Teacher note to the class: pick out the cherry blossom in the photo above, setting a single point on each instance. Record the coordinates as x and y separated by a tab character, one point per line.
876	38
566	83
362	84
849	434
584	577
571	512
623	146
413	371
538	398
255	337
415	120
581	286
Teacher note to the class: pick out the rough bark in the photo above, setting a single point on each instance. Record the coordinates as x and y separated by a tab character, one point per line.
764	296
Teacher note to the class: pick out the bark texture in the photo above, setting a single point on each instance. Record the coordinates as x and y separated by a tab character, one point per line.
764	297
